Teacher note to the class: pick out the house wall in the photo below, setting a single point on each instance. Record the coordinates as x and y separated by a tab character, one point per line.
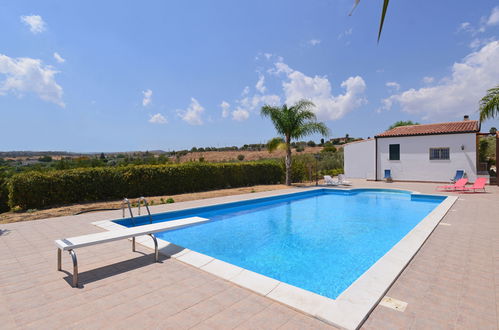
415	163
360	159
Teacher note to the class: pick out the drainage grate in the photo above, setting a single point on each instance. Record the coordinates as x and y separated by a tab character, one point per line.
393	304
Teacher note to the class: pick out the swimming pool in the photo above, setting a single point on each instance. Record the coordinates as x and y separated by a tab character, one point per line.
321	240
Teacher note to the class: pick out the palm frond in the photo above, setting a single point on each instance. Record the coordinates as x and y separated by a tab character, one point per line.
312	128
295	121
303	105
276	115
354	6
383	14
489	104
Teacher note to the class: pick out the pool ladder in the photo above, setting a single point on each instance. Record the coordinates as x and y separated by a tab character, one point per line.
126	202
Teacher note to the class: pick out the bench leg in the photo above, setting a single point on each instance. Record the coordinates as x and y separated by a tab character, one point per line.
133	244
75	268
156	252
59	259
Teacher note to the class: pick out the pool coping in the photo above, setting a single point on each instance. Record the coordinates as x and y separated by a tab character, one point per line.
352	307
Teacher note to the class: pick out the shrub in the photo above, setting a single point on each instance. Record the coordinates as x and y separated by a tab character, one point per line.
303	167
41	190
4	205
331	160
240	157
328	148
45	159
170	201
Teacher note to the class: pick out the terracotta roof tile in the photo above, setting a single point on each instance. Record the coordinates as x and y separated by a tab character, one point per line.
467	126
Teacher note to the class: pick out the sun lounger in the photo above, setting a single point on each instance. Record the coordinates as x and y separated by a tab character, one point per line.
342	181
460	174
478	185
70	244
388	176
459	185
328	180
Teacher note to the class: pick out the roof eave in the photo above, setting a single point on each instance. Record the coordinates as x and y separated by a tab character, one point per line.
425	134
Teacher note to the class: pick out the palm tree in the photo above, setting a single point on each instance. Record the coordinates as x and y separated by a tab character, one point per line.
402	123
293	122
489	104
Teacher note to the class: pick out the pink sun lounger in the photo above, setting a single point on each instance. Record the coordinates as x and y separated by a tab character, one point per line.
478	185
459	185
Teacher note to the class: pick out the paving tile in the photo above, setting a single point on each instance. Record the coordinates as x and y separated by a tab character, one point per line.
301	321
239	312
452	283
273	317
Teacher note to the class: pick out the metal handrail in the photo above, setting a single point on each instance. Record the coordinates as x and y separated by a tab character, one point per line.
125	200
147	207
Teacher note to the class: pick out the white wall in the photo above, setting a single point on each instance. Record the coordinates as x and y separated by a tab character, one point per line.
360	159
415	163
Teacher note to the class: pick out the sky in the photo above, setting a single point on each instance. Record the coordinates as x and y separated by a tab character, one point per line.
94	76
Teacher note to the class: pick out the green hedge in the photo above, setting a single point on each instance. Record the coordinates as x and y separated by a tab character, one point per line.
40	190
4	198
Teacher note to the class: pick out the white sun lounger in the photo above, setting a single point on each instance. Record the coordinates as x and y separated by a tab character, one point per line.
342	181
70	244
329	181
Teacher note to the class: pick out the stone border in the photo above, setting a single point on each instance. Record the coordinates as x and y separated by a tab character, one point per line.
351	308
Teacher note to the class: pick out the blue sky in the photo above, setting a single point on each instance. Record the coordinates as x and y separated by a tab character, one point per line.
130	75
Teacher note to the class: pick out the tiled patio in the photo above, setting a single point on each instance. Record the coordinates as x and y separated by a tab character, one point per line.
453	282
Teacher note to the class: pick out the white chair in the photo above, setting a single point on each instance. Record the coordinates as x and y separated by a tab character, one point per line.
342	181
328	180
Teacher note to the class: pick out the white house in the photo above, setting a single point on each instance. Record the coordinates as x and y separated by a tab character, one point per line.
430	152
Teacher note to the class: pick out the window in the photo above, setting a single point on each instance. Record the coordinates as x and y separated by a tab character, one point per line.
394	151
439	153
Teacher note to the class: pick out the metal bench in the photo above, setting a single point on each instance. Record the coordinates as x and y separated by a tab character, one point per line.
70	244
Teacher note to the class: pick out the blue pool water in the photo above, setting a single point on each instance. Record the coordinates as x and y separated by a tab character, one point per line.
321	240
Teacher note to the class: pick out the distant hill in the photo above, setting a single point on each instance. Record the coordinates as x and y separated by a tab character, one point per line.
15	154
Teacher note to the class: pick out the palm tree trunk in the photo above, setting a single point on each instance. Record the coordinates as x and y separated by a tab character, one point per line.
288	161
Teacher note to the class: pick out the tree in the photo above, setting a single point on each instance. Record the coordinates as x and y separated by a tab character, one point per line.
290	123
483	150
328	147
45	159
493	131
489	104
102	156
383	14
403	123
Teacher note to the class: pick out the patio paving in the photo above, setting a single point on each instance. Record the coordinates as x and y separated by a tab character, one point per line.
452	283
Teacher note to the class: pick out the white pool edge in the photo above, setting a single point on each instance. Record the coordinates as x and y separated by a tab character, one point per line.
351	308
